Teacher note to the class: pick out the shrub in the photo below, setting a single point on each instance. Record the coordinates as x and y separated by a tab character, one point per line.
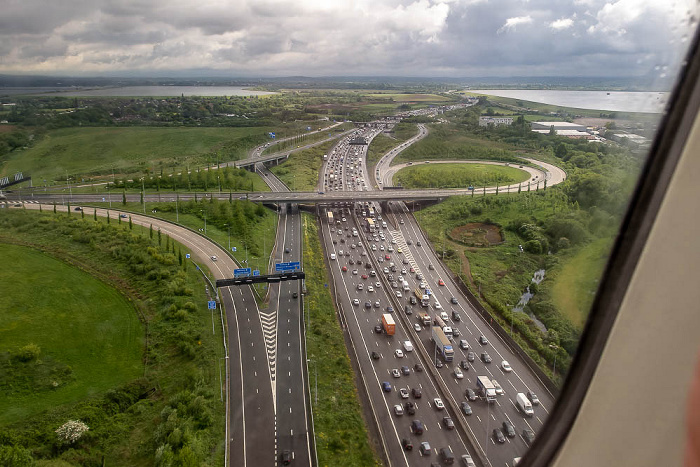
71	431
28	353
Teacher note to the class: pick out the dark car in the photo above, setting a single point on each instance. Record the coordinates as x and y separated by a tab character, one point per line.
528	436
408	309
447	457
295	294
78	208
509	429
425	448
413	300
498	436
456	317
417	394
375	355
464	364
407	445
438	363
471	356
410	408
405	370
286	457
368	304
470	394
448	423
378	329
453	300
417	427
390	309
287	250
483	340
418	367
466	408
386	386
533	398
486	358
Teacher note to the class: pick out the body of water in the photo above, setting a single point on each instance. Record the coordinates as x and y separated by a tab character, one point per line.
139	91
616	101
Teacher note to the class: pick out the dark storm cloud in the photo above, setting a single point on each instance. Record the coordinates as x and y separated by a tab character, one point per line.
370	37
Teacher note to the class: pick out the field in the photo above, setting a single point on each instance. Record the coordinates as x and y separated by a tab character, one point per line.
76	320
458	175
92	151
576	283
409	97
300	171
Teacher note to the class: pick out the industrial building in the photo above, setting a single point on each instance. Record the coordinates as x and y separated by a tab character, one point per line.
495	121
557	126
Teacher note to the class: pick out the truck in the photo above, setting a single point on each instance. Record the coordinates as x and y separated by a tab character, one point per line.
388	324
443	344
325	157
370	225
424	318
486	388
524	405
330	217
423	298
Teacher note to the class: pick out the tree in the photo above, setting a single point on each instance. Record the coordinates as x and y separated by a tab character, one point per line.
150	232
71	431
108	217
160	239
131	225
54	207
82	214
94	214
560	151
124	198
15	456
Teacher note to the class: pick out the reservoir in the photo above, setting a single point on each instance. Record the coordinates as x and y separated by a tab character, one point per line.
143	91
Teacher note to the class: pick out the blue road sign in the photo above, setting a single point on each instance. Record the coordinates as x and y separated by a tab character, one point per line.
241	272
279	267
295	264
211	304
187	255
256	272
233	248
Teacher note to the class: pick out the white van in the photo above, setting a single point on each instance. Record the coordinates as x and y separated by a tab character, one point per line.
406	288
332	256
408	346
524	404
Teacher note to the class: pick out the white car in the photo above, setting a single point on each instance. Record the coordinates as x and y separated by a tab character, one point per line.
438	403
439	307
408	346
214	258
360	286
370	288
458	373
417	327
398	294
499	389
398	353
506	366
356	302
398	410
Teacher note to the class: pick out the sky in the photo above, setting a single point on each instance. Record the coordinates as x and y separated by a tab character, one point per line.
413	38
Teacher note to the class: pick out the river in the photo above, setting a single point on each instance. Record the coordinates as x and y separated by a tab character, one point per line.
616	101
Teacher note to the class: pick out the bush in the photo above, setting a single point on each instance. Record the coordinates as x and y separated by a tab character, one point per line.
28	353
533	246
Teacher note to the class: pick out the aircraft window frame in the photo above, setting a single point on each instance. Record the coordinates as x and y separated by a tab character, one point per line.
674	129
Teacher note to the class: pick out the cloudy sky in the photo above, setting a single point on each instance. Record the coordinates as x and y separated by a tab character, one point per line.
443	38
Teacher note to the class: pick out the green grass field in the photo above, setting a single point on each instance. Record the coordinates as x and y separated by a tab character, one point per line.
575	284
85	151
300	171
458	175
408	97
75	319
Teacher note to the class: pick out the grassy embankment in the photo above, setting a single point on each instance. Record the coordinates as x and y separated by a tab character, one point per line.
300	171
88	334
458	176
381	144
171	412
341	434
303	137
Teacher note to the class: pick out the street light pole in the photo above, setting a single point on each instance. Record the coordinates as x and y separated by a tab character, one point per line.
143	194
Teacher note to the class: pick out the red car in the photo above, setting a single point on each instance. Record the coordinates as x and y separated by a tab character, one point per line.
387	257
364	276
344	268
441	282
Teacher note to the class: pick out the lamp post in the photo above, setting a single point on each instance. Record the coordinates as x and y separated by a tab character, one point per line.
205	220
143	194
554	368
221	383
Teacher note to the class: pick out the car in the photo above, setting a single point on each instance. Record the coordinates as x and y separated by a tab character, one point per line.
467	461
486	358
378	328
381	248
295	294
470	394
506	366
78	208
398	353
463	344
417	327
497	386
387	257
377	304
438	363
417	428
533	398
443	315
407	445
412	300
286	457
368	304
411	270
390	309
408	310
528	436
370	288
456	333
364	276
438	403
464	365
394	285
355	302
466	408
498	436
425	448
373	273
354	272
419	276
417	393
376	355
386	270
456	317
396	373
458	373
483	340
287	250
441	282
398	250
344	269
123	216
453	300
508	429
398	294
398	409
360	286
386	386
378	285
448	423
418	367
471	356
431	267
418	243
410	408
404	393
